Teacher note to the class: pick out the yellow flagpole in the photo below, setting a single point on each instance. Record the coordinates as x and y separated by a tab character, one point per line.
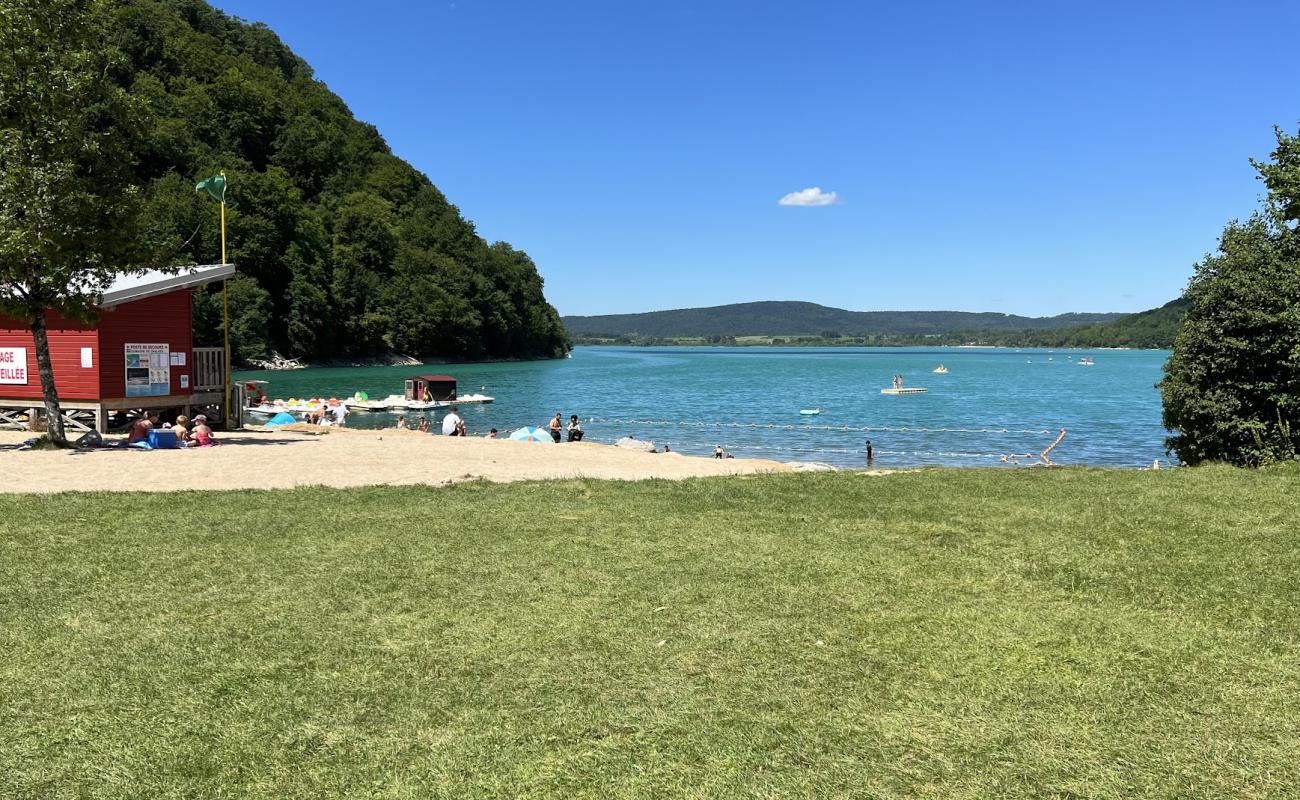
225	300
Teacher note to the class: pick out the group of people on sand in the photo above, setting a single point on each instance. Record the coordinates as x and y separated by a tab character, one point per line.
557	428
197	434
452	424
328	415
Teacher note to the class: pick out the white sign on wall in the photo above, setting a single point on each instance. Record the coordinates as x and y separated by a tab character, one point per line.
13	365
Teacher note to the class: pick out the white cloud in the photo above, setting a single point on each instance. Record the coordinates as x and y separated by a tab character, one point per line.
812	196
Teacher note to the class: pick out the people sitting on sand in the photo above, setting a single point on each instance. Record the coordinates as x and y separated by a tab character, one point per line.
181	428
140	428
424	424
575	429
401	422
556	426
492	434
202	433
452	425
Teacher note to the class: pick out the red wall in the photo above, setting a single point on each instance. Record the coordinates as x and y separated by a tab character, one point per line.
66	340
164	319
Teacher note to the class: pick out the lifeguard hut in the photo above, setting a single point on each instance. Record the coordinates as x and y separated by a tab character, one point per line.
139	355
430	388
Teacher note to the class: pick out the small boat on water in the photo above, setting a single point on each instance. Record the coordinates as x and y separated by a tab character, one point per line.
810	412
940	370
423	392
362	402
1086	361
905	390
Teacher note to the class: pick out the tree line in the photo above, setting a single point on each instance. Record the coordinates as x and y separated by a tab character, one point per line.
112	110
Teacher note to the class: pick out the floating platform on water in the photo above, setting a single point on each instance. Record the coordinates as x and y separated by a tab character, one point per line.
905	390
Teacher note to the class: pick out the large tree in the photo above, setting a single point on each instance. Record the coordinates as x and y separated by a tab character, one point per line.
1232	385
69	201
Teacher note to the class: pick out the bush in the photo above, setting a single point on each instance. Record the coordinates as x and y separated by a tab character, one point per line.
1232	386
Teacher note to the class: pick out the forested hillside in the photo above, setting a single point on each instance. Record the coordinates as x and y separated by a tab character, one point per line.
1155	328
343	248
781	318
1147	329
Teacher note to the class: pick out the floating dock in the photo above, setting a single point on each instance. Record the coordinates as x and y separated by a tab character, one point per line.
905	390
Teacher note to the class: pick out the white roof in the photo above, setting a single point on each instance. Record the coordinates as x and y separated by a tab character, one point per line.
140	285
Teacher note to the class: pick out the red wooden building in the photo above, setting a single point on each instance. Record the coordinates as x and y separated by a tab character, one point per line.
138	355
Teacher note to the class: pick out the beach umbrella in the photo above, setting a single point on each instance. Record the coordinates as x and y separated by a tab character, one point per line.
527	434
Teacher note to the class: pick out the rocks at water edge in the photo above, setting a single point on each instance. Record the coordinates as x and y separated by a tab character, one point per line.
629	443
811	466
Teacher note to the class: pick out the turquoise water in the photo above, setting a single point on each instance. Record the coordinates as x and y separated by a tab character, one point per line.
748	400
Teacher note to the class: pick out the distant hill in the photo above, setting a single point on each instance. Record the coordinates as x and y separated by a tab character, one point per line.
790	318
1147	329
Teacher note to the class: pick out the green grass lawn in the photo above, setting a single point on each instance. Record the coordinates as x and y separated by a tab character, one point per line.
953	633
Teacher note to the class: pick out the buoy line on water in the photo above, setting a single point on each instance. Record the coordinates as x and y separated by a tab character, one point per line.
792	427
760	449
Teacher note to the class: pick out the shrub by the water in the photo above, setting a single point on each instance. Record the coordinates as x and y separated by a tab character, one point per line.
1232	386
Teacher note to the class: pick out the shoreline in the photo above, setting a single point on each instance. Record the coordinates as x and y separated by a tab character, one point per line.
281	364
339	458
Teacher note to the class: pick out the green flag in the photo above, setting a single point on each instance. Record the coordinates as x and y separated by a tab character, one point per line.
215	186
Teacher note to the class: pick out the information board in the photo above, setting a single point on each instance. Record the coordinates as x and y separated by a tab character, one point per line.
148	370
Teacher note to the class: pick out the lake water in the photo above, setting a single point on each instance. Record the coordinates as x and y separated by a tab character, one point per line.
993	402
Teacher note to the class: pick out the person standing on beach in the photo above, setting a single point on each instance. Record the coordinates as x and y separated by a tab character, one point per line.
871	455
575	429
556	426
717	451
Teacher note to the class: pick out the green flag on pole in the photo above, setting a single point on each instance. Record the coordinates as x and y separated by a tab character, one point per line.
214	186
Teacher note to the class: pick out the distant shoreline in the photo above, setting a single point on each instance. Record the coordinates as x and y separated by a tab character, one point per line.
832	343
280	364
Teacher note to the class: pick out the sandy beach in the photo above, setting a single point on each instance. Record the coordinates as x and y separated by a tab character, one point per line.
254	459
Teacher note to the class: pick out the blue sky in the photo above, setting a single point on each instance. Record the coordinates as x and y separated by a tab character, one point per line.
1033	158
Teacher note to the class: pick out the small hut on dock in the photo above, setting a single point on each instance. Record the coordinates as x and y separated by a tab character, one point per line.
139	355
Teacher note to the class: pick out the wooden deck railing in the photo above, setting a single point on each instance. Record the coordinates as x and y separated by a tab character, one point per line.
209	369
